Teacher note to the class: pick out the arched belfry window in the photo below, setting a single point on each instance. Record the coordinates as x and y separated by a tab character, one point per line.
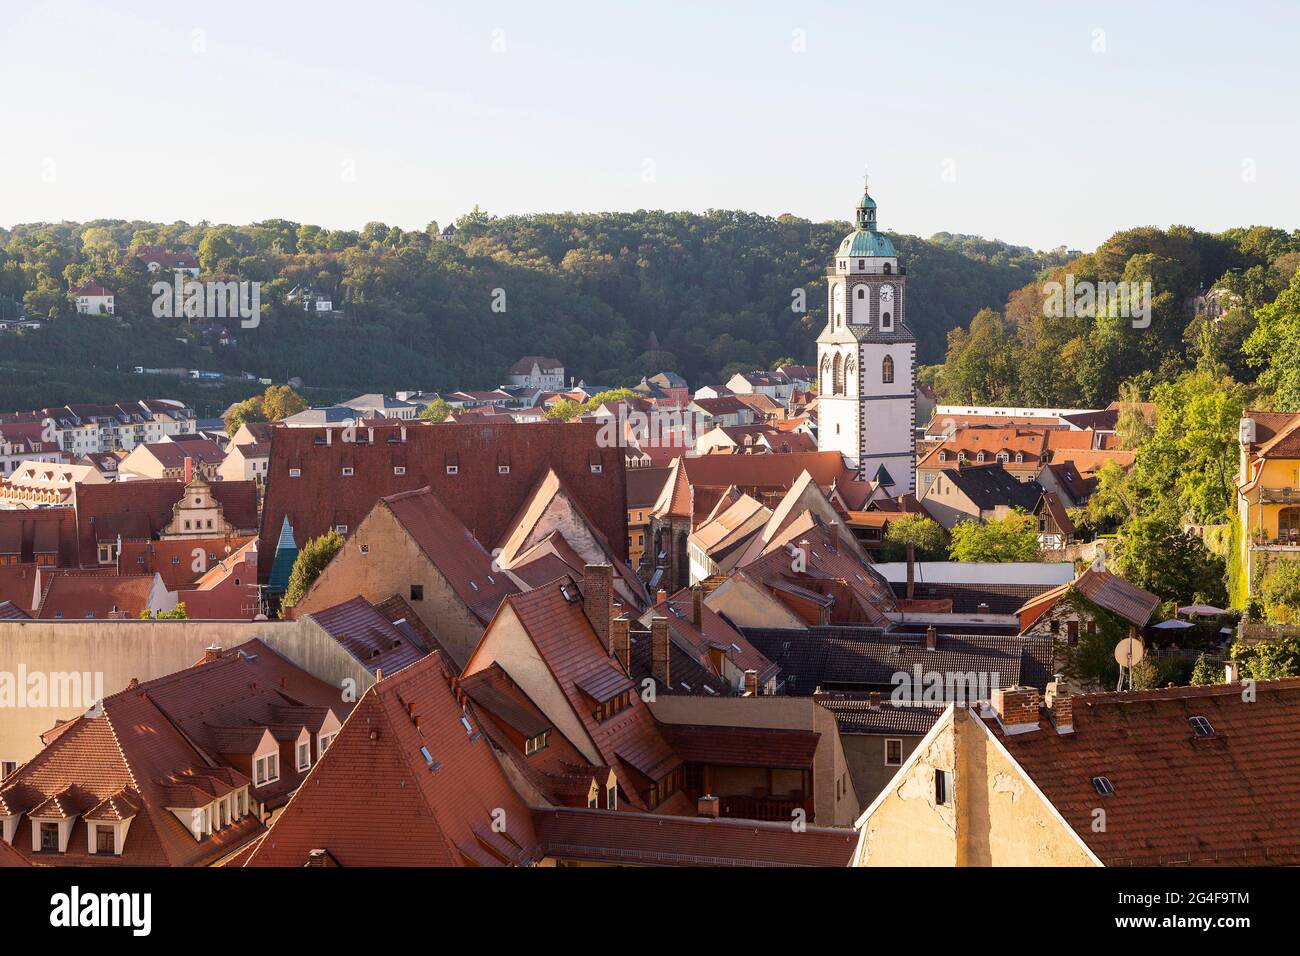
838	384
887	369
888	268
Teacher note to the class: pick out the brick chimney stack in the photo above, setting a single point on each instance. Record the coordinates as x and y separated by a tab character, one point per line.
707	806
212	653
911	570
189	469
751	683
1016	708
873	700
931	638
1060	705
597	599
660	596
659	650
697	609
620	631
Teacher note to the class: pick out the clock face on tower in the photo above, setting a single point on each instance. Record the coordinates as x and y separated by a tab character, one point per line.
887	294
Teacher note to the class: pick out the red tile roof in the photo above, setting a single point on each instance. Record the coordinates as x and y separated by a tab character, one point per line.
375	799
642	839
1179	799
12	612
174	560
142	508
18	585
1107	591
370	637
74	595
564	639
479	495
713	632
28	532
772	747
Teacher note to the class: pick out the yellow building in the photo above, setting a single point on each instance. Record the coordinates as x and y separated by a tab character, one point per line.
1172	777
1268	498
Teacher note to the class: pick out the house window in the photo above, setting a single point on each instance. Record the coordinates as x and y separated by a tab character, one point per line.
1103	786
1201	726
399	470
611	798
616	706
267	770
887	366
942	787
295	472
1072	632
1092	627
596	469
417	592
593	801
304	755
503	469
534	744
7	767
453	469
980	457
893	752
324	744
49	838
105	840
341	528
886	321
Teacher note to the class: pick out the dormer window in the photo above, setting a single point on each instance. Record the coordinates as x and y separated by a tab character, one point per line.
534	744
399	470
295	472
615	705
453	469
980	457
611	797
503	469
347	472
324	744
304	755
1020	458
943	456
266	770
105	839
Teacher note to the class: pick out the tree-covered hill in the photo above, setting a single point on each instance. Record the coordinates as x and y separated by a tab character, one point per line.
614	295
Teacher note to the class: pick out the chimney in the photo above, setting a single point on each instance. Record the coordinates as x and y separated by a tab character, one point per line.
189	469
1230	672
751	683
212	653
873	700
660	596
379	674
833	539
597	599
931	638
620	638
1016	709
911	570
983	608
707	806
1060	705
697	610
659	650
329	435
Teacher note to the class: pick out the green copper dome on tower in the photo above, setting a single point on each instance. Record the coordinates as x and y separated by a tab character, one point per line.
865	240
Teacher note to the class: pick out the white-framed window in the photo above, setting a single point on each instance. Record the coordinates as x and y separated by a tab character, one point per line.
341	528
596	469
295	472
453	469
7	767
266	770
347	472
534	744
503	469
893	751
323	744
304	755
399	469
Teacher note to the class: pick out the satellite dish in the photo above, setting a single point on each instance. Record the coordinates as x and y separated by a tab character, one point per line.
1129	651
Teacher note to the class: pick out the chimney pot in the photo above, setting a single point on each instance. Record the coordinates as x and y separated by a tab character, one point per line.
660	596
1230	672
931	638
697	601
1060	705
751	683
708	806
873	700
212	653
379	674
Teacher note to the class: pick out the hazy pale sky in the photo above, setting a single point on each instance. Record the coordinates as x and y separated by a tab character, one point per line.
1039	123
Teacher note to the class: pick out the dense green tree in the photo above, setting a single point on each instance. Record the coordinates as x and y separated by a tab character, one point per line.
1275	345
929	540
1281	593
1156	554
1012	538
311	561
436	411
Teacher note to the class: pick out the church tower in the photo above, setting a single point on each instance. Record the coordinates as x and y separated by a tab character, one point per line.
866	360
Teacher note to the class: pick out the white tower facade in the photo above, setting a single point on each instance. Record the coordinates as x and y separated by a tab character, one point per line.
866	360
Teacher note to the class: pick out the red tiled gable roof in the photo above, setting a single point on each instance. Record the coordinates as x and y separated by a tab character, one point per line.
28	532
700	481
141	509
1223	800
171	454
1031	443
566	643
525	365
723	405
174	560
1107	591
71	596
128	761
679	610
370	637
655	840
18	585
374	798
91	288
481	497
466	564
